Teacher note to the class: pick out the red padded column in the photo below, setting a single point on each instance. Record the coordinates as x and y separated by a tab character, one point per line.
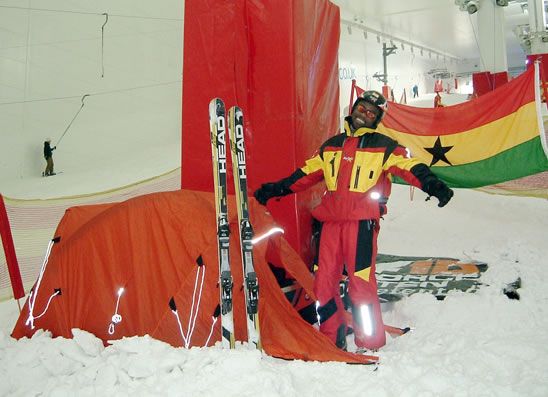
9	252
278	62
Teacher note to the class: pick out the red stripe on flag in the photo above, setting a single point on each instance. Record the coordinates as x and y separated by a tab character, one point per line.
490	107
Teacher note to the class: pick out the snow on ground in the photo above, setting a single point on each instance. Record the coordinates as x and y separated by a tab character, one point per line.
427	100
479	344
76	177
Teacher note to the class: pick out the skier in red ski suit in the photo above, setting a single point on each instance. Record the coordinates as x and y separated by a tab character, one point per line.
355	166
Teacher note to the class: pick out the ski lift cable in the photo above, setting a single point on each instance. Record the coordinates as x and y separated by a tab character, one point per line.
74	118
93	94
103	45
90	13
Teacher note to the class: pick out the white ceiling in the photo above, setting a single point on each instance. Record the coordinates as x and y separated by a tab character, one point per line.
436	24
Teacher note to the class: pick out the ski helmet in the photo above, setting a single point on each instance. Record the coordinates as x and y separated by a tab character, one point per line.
374	98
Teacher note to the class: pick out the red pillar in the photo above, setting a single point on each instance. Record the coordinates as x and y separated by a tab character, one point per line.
9	252
277	60
485	82
543	69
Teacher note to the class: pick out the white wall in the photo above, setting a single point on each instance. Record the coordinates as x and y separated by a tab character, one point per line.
51	55
361	58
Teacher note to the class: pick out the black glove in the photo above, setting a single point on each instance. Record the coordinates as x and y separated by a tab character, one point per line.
270	190
441	191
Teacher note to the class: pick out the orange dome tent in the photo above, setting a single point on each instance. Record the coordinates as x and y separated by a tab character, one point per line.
158	248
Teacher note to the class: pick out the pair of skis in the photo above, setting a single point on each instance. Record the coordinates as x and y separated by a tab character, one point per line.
220	140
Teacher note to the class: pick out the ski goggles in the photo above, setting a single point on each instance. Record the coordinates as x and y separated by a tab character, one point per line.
368	112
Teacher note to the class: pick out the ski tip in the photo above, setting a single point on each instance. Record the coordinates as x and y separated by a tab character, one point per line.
217	102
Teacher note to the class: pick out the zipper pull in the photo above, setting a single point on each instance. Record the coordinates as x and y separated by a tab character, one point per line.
357	176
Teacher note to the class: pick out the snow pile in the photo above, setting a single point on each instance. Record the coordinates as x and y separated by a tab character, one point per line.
146	366
466	345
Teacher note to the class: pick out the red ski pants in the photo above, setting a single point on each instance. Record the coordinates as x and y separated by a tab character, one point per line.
351	245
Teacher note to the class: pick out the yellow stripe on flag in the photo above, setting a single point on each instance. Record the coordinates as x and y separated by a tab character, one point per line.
476	144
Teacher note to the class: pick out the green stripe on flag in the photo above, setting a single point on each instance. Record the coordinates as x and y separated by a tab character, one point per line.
522	160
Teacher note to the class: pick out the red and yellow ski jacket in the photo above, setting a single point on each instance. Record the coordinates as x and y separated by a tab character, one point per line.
357	169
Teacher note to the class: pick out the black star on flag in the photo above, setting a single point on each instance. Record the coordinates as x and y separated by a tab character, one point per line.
438	152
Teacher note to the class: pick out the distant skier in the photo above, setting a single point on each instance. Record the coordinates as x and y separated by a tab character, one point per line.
356	167
415	91
48	155
437	101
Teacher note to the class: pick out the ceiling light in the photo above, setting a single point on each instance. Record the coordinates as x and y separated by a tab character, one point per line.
472	7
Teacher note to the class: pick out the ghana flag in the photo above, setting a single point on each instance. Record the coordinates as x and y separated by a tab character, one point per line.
494	138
